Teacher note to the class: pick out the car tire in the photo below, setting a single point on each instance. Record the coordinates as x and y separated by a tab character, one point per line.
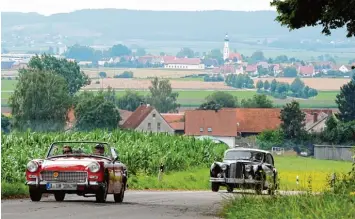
35	194
259	189
229	189
59	196
101	194
119	197
215	187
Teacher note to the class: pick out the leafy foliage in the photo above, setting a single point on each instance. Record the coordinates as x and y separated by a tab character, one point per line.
5	123
162	97
70	71
185	52
130	100
270	138
96	111
346	101
292	121
40	101
240	81
223	99
258	101
125	74
296	14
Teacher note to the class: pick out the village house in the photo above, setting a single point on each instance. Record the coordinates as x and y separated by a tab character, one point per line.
176	121
315	120
252	69
184	63
147	119
306	71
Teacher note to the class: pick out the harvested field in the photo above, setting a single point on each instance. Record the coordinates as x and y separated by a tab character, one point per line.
142	72
324	84
119	83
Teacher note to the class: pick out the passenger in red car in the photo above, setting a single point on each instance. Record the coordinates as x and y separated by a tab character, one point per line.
67	149
99	150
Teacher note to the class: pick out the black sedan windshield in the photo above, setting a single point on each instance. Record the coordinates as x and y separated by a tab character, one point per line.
244	155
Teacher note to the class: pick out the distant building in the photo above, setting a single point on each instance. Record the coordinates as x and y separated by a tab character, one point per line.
184	63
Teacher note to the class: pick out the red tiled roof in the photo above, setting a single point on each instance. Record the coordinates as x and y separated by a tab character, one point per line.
137	117
256	120
177	125
235	55
186	61
251	68
222	123
306	69
175	120
168	58
125	114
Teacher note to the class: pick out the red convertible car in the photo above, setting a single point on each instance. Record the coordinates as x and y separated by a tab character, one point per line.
89	169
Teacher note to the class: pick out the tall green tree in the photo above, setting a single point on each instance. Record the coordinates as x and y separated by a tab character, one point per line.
185	52
293	121
40	101
223	99
96	111
273	85
119	50
259	85
70	71
258	101
290	72
162	96
141	52
331	14
5	123
346	101
130	100
297	85
266	85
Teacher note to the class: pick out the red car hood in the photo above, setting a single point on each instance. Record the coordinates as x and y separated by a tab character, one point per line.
68	163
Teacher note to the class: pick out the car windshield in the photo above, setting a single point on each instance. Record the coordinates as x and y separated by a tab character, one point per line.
79	149
244	155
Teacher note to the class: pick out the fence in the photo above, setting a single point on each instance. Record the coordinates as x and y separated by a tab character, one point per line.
333	152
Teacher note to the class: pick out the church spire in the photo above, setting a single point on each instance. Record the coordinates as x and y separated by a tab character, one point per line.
226	47
226	38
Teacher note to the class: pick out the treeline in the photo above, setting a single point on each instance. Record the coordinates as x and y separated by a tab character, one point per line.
293	133
282	90
213	78
241	81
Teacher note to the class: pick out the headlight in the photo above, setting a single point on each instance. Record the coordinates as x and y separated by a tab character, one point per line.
32	166
94	167
248	168
224	167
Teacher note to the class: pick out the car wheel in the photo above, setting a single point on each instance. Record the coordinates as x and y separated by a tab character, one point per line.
119	197
59	196
215	187
35	194
259	189
271	192
229	189
101	194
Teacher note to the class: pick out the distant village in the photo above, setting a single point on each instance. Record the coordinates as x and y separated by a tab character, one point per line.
232	63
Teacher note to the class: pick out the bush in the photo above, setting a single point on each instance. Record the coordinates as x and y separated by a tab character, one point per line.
125	74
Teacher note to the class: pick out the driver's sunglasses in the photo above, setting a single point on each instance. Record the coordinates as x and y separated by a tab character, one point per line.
67	151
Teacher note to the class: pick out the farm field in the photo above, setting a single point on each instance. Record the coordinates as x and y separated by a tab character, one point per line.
196	97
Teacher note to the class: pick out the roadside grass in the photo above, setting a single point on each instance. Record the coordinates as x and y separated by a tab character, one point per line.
13	190
308	206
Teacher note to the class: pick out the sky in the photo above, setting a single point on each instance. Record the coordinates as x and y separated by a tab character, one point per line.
48	7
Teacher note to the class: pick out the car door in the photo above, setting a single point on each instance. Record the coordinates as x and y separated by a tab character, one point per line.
269	168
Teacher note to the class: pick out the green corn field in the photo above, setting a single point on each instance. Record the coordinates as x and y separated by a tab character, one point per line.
141	152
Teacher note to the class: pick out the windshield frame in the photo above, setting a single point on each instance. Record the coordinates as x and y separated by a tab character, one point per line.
251	152
109	157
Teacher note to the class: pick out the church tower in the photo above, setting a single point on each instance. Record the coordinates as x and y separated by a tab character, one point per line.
226	48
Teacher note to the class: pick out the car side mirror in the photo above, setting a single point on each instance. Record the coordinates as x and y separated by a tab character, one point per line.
116	158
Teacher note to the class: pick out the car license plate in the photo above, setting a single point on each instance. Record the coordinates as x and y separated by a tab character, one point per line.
61	186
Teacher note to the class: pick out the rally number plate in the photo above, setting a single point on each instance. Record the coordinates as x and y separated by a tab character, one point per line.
61	186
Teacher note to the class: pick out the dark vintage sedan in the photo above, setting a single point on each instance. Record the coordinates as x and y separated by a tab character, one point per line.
245	168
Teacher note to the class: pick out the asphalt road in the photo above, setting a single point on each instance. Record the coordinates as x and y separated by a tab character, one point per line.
136	205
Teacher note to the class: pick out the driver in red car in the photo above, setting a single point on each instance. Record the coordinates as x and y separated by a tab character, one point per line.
67	149
99	150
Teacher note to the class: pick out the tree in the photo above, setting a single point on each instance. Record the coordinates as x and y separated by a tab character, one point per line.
162	97
346	101
130	100
223	99
82	53
141	52
119	50
273	85
40	101
290	72
296	14
259	84
293	121
258	101
102	74
75	78
266	85
185	52
211	105
258	56
5	123
96	111
297	85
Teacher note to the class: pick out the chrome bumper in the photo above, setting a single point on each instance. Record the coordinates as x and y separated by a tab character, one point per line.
38	182
235	181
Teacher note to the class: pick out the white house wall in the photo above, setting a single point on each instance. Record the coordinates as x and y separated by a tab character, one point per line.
164	126
184	66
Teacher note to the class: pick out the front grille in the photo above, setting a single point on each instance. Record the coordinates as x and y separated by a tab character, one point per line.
76	177
236	170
